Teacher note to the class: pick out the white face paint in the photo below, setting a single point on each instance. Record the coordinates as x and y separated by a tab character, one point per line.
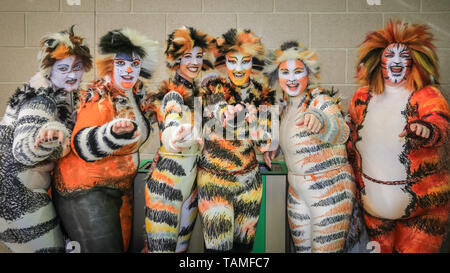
126	70
238	67
67	73
396	63
292	76
191	63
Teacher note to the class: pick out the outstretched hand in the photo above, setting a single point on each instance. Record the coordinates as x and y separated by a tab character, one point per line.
50	135
123	127
231	112
419	129
311	122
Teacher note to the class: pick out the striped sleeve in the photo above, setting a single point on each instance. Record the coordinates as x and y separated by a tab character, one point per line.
268	122
171	106
434	111
35	115
94	143
334	130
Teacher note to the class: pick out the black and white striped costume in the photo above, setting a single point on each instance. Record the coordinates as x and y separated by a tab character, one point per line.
28	221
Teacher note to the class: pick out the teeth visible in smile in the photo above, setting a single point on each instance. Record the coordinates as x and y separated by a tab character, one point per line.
71	81
396	69
128	78
193	69
292	86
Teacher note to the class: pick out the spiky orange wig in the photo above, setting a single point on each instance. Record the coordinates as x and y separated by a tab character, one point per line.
183	40
417	38
245	42
57	46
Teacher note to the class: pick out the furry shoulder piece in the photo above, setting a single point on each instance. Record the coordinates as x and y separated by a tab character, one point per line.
57	46
127	41
288	51
183	40
245	42
38	86
424	69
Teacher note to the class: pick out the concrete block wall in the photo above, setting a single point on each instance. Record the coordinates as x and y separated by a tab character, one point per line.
334	28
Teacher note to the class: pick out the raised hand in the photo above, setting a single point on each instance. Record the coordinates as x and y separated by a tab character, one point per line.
311	122
231	112
123	127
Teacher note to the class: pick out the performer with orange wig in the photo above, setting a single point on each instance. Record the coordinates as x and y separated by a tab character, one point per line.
399	121
93	184
174	169
229	182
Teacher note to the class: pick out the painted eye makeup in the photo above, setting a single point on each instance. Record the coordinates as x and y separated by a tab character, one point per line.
77	67
136	63
119	62
63	68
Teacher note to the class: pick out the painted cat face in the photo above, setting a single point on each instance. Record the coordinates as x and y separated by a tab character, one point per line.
396	63
67	73
293	77
239	67
191	63
126	70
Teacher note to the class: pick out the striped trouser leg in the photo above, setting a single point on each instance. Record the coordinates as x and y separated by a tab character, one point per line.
299	222
247	204
189	212
215	204
329	196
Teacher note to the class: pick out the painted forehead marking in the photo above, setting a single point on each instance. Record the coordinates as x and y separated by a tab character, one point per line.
127	57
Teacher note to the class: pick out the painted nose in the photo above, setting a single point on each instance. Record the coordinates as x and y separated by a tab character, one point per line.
129	70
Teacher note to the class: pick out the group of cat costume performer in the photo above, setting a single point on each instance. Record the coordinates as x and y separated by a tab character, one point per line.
93	184
35	132
386	156
399	122
171	182
321	182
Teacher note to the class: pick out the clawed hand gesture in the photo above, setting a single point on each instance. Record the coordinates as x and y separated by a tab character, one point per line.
231	112
419	129
311	122
123	127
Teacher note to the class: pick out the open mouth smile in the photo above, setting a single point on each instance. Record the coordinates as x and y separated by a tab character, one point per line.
71	82
293	86
193	69
238	75
127	77
396	69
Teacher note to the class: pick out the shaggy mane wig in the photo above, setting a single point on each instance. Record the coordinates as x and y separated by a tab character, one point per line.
127	41
59	45
292	50
417	38
183	40
245	42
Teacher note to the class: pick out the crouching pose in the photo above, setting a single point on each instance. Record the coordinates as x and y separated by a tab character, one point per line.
399	121
34	132
312	137
229	182
174	170
94	183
